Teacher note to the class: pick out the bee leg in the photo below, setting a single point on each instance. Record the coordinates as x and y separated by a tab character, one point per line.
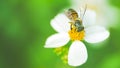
71	26
76	29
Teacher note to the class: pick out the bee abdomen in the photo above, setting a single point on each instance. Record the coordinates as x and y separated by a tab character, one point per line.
71	14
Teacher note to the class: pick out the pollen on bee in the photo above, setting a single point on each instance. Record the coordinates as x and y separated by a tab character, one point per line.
75	35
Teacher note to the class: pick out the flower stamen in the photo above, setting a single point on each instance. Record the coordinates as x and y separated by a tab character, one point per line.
75	35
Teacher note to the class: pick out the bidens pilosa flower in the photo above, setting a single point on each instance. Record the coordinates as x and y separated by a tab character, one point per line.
71	27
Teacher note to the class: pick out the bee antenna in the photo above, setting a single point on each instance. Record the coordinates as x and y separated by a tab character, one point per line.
80	12
84	11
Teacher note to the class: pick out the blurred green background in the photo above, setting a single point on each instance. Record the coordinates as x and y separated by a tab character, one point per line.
25	25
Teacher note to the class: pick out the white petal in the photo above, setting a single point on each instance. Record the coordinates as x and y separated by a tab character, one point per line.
57	40
89	18
96	34
60	23
77	54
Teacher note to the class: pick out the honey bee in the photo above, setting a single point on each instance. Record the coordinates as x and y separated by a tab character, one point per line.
75	22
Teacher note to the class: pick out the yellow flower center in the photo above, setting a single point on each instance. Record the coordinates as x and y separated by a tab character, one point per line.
75	35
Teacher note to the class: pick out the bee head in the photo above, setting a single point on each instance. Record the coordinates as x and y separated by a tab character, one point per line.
78	25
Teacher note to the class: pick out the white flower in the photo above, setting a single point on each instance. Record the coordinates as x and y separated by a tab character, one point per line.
92	33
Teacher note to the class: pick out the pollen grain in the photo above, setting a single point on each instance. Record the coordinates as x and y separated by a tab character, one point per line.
75	35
